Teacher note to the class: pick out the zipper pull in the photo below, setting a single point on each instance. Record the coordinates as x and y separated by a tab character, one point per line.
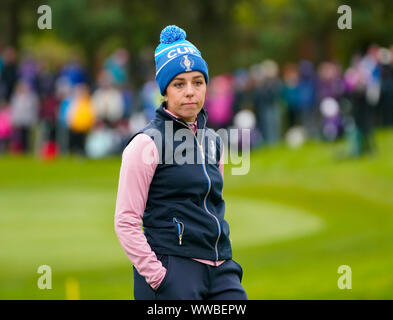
180	228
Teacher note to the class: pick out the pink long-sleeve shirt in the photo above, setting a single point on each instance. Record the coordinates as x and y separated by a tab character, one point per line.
139	162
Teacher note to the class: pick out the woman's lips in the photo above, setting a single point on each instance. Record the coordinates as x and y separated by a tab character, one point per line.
189	104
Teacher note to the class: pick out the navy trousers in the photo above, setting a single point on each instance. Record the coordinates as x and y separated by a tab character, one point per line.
187	279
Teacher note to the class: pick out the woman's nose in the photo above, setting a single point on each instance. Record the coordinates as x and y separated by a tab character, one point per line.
189	89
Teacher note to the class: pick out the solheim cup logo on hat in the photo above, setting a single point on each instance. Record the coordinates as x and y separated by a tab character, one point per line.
187	63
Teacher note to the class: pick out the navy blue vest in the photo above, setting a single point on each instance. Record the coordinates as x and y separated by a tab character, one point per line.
184	213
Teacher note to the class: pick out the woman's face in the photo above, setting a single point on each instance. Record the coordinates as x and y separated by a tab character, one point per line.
185	95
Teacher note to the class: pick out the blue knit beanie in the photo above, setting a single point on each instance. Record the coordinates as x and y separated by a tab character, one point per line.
176	55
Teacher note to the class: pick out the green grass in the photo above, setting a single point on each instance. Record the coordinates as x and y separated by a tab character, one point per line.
295	218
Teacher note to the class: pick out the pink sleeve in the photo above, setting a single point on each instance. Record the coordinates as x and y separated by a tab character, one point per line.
139	162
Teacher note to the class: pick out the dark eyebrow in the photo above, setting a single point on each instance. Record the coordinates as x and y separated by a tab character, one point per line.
177	78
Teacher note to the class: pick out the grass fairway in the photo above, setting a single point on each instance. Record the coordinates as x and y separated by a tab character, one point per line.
295	218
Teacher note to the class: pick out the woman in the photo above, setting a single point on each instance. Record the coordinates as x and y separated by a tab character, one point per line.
171	180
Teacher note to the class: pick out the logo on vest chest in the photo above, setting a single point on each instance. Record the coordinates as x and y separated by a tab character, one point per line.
212	151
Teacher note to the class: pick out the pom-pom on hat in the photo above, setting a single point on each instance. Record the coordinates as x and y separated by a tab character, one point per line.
176	55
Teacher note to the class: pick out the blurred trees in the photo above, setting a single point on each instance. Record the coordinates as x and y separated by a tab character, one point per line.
289	30
230	33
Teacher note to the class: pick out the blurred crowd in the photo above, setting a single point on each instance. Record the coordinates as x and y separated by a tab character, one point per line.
50	111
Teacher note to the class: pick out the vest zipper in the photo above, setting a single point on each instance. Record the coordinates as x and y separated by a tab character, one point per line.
209	182
180	229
